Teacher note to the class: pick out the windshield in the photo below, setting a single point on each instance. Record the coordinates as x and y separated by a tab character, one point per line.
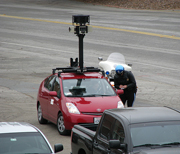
155	134
87	87
116	58
23	143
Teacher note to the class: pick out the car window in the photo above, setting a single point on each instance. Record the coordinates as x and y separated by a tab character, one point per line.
87	87
13	143
155	133
118	132
56	86
106	127
49	83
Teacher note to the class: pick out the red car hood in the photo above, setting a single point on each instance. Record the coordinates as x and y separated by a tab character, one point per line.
94	104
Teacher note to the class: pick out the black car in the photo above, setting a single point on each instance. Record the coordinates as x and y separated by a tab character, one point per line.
135	130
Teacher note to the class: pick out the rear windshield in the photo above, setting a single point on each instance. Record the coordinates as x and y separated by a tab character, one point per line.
156	133
23	143
87	88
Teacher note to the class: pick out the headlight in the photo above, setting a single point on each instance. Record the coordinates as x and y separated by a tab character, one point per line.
120	105
72	108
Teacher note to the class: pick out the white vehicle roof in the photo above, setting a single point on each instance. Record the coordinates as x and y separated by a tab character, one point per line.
16	127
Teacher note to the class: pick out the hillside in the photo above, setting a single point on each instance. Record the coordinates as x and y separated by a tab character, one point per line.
138	4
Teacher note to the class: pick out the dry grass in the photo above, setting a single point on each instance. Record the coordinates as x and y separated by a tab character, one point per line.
138	4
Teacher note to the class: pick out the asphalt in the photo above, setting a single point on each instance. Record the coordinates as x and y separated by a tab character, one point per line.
29	50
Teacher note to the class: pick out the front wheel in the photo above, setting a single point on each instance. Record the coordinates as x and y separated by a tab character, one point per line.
60	125
40	115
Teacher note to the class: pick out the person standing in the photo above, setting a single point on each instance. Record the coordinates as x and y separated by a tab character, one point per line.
125	80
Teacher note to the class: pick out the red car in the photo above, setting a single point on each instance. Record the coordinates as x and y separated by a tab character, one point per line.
70	97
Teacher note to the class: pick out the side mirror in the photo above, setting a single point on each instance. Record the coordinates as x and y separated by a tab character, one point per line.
130	65
58	148
120	91
115	144
100	58
53	93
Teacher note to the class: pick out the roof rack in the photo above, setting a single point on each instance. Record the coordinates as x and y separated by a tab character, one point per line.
76	70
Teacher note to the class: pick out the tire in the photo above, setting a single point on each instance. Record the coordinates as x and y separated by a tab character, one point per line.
40	115
60	125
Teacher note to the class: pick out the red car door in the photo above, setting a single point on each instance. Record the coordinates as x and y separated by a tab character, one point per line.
44	97
54	102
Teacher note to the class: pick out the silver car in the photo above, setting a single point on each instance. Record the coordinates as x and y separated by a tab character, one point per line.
23	138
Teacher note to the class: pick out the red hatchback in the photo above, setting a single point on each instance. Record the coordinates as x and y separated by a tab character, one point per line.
68	97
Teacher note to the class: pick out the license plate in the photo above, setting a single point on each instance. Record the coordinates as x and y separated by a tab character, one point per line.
96	120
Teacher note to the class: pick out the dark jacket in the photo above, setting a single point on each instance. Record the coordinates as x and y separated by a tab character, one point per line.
126	79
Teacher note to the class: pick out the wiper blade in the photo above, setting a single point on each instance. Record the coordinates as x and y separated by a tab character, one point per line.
74	96
150	145
91	95
147	145
95	95
172	143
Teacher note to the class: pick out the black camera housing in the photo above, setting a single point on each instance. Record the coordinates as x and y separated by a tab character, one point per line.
80	19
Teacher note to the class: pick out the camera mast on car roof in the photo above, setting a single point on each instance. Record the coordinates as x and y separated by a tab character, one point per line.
80	27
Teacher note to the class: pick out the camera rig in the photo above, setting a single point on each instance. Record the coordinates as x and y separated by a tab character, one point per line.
81	24
80	27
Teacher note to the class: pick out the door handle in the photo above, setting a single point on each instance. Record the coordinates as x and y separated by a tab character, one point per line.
95	144
108	151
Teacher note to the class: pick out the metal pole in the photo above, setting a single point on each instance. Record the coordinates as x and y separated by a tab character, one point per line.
81	36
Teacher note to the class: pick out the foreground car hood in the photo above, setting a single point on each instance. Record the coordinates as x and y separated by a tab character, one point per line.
164	150
94	104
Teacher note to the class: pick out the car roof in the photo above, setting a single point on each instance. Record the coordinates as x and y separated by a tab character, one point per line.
146	114
82	75
16	127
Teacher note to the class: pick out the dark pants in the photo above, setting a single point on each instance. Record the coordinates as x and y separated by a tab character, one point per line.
129	97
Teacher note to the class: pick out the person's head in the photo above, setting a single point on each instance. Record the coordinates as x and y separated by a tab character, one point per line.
94	84
119	69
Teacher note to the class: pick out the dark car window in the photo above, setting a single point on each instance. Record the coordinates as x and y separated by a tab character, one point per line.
49	83
118	132
106	128
56	86
13	143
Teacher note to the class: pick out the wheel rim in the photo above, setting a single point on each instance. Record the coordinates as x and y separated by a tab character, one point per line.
60	124
39	113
